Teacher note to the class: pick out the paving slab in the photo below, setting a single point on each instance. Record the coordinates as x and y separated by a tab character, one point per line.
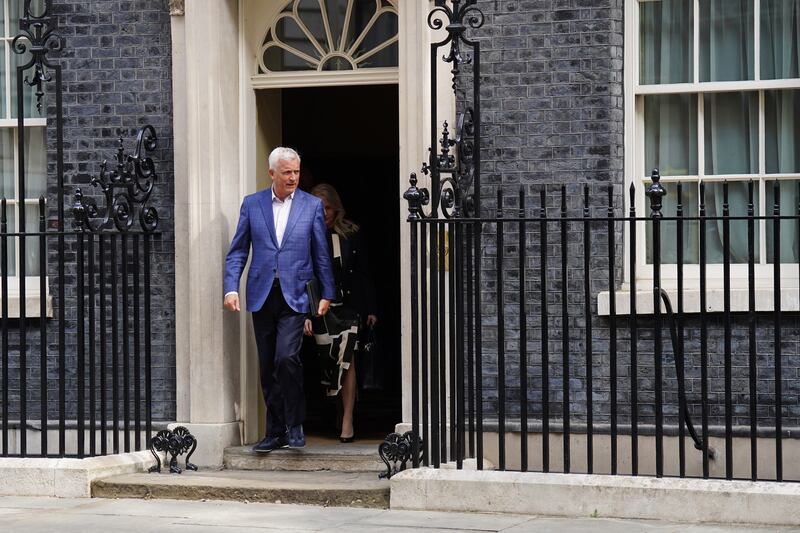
34	515
318	454
355	489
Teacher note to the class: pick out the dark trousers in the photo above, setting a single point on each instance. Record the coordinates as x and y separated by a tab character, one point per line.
279	336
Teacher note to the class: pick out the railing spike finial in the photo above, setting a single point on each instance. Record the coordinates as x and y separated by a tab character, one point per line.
656	192
416	198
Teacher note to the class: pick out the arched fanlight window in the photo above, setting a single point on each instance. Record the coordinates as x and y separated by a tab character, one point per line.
325	35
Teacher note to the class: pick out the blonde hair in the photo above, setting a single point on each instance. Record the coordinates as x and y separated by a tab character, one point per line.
341	225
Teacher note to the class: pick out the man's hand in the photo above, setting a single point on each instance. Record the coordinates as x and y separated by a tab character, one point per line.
323	307
371	320
232	302
308	330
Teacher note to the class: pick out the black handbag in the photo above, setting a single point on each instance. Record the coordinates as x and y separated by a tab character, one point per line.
370	361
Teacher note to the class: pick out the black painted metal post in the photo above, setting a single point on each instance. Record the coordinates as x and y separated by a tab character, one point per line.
469	239
452	342
4	315
587	302
523	339
776	262
478	347
114	345
459	356
442	316
137	352
655	192
103	347
413	197
545	337
22	266
434	348
92	354
634	327
81	339
501	352
726	277
565	372
148	342
751	324
612	324
426	382
703	332
679	349
43	327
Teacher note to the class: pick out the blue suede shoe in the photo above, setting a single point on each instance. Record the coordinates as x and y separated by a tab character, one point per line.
296	437
268	444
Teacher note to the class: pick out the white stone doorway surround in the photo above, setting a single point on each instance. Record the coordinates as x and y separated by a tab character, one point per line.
216	164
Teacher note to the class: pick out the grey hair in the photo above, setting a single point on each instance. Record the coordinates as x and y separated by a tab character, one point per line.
282	153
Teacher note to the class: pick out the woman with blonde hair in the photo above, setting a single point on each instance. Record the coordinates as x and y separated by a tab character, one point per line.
339	333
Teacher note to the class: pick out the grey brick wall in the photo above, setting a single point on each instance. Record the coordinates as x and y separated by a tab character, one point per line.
553	115
116	78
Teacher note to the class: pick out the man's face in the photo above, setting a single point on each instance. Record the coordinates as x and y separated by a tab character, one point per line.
285	177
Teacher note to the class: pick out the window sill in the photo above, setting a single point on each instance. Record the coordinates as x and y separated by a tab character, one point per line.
32	304
790	300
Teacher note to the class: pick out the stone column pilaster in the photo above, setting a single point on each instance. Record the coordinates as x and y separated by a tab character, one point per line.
207	198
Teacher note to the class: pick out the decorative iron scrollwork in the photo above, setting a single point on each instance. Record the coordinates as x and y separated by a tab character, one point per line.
175	443
396	451
459	17
37	34
124	187
453	156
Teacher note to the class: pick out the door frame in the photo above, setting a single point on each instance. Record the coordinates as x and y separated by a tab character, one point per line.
412	77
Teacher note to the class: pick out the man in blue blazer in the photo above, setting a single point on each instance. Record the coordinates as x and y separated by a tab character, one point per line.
286	229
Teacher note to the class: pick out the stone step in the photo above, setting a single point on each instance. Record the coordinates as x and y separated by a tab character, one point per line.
339	489
319	454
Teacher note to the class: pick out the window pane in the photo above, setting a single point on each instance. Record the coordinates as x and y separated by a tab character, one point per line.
386	57
737	202
28	92
311	15
11	242
277	59
15	12
7	162
665	36
32	243
3	111
731	133
384	28
290	33
787	196
780	39
782	131
336	10
363	11
726	40
671	134
35	162
669	229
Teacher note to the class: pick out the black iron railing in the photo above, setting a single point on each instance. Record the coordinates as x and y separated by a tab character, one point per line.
507	339
83	360
511	358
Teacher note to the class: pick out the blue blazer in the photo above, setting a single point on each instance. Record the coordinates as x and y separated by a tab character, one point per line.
302	255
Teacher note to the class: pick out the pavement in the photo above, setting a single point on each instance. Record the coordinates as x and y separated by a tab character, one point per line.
33	515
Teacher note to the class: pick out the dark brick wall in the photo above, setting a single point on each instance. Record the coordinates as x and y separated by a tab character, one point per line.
116	78
553	115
